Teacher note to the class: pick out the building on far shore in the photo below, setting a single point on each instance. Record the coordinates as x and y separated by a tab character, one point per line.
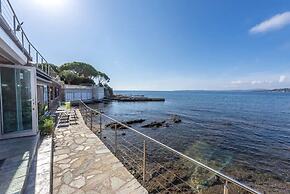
27	82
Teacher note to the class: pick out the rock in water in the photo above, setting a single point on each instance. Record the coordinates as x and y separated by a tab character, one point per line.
155	124
135	121
175	119
119	126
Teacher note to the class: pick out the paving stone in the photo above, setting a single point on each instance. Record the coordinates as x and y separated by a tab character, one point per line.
67	177
64	189
116	183
78	182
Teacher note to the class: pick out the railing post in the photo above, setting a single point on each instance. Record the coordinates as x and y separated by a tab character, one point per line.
116	145
37	59
80	107
29	49
226	189
91	120
86	116
144	161
22	38
14	24
100	125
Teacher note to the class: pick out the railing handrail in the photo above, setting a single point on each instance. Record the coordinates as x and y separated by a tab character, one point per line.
16	24
247	188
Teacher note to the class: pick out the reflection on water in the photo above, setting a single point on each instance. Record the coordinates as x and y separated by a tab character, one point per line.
243	134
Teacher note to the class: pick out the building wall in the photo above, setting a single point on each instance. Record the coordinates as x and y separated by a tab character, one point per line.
85	93
98	93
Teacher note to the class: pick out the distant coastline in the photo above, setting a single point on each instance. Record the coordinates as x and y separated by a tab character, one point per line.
281	90
246	90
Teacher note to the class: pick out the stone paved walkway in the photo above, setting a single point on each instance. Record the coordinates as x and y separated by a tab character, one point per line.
82	164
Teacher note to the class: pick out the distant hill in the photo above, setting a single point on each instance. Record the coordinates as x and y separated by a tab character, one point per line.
281	90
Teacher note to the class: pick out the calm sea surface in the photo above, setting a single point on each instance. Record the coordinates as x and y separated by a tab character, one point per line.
243	134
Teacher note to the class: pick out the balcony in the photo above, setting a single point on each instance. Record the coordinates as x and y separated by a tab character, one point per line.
15	46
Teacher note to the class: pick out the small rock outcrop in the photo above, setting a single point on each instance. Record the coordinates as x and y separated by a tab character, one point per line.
165	123
155	124
119	126
175	119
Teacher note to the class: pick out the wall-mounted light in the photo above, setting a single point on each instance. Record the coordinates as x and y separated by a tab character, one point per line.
19	26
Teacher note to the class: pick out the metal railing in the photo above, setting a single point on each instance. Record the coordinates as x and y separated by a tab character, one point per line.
158	175
13	27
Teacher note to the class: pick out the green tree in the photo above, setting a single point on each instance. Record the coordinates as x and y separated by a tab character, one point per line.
79	73
54	67
81	69
103	78
68	76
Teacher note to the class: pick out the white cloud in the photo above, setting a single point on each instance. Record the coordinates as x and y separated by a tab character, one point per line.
257	82
237	82
274	23
282	78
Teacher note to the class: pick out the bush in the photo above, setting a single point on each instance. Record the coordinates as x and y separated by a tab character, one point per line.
46	125
42	109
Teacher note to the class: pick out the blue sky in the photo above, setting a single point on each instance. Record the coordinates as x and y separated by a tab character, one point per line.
167	44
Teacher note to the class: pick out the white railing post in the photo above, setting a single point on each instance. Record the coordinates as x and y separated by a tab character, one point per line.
116	143
14	24
37	59
100	126
91	120
85	115
226	189
22	39
29	49
144	161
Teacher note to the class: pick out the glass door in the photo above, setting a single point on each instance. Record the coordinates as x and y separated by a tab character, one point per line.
18	97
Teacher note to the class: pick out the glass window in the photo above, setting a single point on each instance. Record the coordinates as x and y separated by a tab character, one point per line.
16	99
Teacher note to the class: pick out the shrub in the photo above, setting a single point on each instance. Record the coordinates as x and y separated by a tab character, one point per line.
42	109
46	125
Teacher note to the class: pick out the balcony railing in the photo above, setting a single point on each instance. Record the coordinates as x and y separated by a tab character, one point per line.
13	27
160	168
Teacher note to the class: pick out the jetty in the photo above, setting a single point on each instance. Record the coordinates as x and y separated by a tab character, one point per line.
138	98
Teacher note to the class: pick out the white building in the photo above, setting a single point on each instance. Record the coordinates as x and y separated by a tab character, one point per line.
74	93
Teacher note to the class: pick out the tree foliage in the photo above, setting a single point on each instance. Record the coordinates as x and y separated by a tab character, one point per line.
79	73
82	69
68	76
103	78
54	67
